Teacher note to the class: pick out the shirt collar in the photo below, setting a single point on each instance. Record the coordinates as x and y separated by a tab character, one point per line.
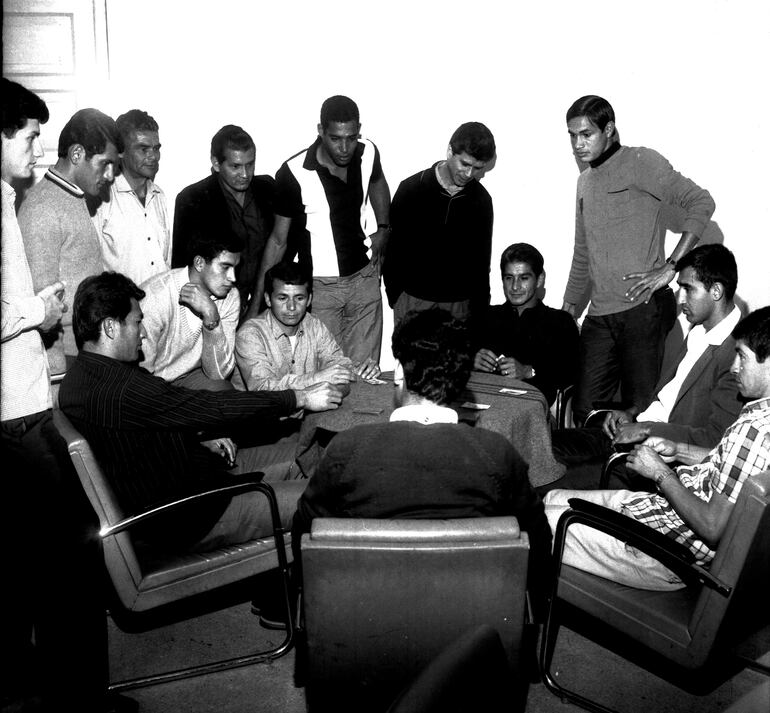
8	190
717	334
123	186
54	176
425	414
762	404
611	151
311	162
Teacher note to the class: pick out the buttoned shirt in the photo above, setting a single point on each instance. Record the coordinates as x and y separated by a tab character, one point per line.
175	345
266	359
135	238
744	451
697	341
24	382
424	413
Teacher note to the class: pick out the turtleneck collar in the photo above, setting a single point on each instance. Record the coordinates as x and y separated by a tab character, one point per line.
613	149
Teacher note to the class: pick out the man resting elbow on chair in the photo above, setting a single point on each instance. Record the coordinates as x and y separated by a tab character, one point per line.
693	503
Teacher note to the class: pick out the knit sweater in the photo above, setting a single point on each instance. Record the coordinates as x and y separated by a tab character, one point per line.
61	244
619	227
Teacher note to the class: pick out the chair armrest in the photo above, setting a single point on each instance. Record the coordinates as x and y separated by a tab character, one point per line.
604	480
234	489
594	413
667	551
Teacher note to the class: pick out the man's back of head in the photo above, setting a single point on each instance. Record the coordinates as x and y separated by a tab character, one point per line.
434	351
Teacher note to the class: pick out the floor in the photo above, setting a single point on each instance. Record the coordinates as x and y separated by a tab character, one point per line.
269	688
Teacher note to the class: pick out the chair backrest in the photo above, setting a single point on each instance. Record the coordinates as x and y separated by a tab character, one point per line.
743	562
383	597
470	674
119	554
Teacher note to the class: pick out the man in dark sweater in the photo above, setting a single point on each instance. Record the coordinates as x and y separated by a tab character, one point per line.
522	338
441	231
424	464
146	433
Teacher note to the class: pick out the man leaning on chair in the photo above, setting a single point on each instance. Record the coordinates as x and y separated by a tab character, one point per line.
693	502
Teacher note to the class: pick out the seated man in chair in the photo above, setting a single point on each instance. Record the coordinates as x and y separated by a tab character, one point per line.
424	464
696	398
693	503
145	432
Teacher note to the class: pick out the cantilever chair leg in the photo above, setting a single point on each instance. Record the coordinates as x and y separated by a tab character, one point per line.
609	464
259	657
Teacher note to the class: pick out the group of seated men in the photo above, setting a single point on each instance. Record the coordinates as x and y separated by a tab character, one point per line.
170	376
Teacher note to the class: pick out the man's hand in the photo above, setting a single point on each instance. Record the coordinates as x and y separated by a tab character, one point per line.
646	461
53	299
485	360
199	302
508	366
631	433
336	374
665	448
614	420
223	447
379	244
648	282
319	397
368	369
570	309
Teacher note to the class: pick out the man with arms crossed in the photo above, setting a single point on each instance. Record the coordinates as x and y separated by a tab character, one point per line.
522	338
441	240
693	503
52	583
133	223
287	347
322	196
619	252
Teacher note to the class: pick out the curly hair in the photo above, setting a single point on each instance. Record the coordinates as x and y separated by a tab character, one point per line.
434	350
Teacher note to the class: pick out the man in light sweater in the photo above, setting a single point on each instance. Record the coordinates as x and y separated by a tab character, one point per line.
61	241
619	253
191	313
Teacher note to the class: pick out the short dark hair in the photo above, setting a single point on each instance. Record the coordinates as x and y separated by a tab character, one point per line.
712	263
19	106
134	120
338	108
475	139
523	252
230	137
99	297
93	130
596	109
209	241
434	350
754	330
290	273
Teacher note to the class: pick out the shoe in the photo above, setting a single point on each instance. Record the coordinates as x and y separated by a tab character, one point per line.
270	621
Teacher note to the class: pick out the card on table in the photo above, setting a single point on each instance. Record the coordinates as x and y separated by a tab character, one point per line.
474	405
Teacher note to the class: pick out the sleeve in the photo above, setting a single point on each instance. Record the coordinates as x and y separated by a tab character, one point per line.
480	294
21	315
557	360
288	194
662	181
43	239
218	350
186	209
377	173
399	239
156	323
577	282
328	351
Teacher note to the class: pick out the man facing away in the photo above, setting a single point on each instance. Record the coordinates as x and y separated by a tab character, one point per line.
522	338
133	222
692	504
60	239
441	240
231	200
424	464
619	252
191	314
144	431
697	396
288	347
322	196
39	482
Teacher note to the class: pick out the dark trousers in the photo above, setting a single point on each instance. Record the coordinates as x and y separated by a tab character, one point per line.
52	614
623	349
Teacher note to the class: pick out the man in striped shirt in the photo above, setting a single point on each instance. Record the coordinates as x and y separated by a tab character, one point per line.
694	502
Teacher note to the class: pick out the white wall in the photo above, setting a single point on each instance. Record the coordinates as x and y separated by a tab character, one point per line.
688	78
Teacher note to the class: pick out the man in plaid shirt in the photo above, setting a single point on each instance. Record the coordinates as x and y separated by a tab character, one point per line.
692	504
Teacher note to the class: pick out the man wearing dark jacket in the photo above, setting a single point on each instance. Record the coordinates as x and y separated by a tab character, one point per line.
231	199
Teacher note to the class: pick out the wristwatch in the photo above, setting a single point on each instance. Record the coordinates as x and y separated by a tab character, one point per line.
660	477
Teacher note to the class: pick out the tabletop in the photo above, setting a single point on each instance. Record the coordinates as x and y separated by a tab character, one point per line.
520	414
